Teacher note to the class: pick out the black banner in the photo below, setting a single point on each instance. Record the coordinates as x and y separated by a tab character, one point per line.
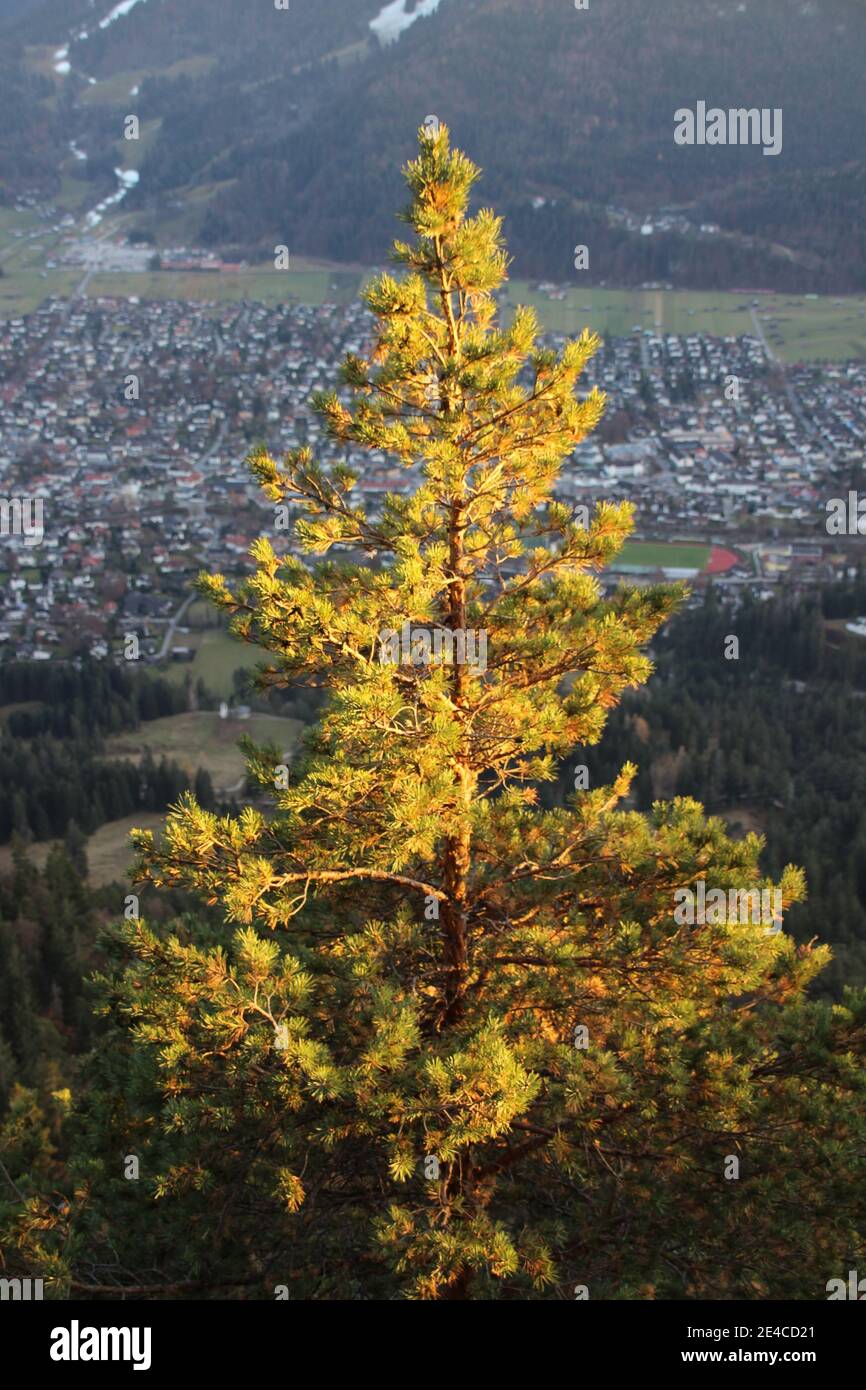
82	1339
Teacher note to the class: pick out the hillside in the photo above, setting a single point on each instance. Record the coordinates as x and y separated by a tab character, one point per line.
15	9
267	131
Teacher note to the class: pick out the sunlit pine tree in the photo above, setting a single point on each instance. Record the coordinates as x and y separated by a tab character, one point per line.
448	1044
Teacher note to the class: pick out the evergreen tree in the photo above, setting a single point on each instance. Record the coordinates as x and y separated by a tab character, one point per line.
203	790
20	822
450	1044
75	842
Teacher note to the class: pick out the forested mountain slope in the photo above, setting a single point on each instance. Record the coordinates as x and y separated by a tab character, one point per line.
283	120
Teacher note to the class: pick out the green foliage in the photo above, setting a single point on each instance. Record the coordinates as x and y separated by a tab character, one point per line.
775	740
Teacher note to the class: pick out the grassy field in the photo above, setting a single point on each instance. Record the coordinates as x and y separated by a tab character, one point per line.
202	615
36	853
217	657
798	329
192	740
619	312
109	852
660	555
313	287
202	739
22	292
815	330
12	220
117	89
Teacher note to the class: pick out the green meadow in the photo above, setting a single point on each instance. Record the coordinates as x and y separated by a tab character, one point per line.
797	328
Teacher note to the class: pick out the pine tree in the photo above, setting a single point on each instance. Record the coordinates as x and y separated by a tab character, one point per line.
449	1044
203	789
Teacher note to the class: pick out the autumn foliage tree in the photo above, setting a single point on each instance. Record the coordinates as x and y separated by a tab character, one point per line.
443	1043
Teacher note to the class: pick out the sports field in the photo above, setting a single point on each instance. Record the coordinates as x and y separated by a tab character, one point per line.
653	555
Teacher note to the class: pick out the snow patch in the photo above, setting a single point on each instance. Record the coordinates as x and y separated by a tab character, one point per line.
118	12
127	179
392	20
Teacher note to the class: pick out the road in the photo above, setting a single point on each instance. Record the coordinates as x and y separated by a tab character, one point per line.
223	430
173	626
